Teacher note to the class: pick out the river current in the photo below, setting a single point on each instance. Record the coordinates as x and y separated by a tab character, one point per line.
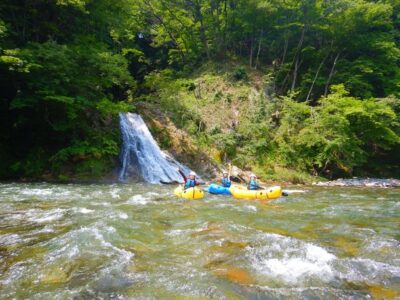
137	241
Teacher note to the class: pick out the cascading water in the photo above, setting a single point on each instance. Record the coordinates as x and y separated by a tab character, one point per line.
141	157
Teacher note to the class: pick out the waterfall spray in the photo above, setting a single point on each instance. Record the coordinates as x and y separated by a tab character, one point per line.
141	157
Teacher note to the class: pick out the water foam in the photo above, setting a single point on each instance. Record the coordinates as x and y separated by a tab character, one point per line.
290	192
123	216
115	194
43	193
179	232
36	192
10	239
290	260
251	208
243	208
305	292
82	210
40	216
87	241
138	200
365	270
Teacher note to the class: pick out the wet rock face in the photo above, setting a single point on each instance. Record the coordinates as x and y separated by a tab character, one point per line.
177	141
366	182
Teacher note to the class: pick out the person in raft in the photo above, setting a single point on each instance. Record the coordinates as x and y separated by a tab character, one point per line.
226	181
253	184
189	181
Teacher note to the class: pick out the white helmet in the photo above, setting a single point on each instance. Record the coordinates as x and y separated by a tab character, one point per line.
253	176
225	172
192	173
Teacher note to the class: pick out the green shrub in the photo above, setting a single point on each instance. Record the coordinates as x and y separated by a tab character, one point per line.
239	73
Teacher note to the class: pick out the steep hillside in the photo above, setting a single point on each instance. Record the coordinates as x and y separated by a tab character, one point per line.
227	114
210	119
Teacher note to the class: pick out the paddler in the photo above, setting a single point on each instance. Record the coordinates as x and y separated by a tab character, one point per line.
226	181
253	184
189	181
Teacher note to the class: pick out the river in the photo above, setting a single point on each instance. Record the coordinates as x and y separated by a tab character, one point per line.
123	241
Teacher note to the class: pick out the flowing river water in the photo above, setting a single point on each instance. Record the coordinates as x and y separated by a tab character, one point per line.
138	241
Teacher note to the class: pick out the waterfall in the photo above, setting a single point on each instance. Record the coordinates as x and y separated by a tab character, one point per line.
141	157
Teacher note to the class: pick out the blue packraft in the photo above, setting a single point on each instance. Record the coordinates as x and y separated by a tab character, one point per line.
218	189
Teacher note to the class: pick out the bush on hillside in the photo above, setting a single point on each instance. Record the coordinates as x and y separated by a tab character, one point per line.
239	73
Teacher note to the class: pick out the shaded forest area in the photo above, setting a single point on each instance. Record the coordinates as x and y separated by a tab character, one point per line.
330	80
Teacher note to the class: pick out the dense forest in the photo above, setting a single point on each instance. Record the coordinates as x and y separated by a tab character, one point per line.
316	82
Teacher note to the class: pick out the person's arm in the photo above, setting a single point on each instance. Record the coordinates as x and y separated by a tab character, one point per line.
260	187
196	182
183	175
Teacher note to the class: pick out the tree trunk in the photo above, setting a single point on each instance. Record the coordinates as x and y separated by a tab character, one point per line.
251	52
259	49
315	78
296	68
328	82
24	24
295	72
285	47
203	36
279	66
219	39
243	44
299	46
204	39
224	46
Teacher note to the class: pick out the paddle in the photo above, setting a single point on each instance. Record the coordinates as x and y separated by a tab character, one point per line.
235	179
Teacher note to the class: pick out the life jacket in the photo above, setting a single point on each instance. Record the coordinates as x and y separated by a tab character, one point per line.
190	183
253	185
226	182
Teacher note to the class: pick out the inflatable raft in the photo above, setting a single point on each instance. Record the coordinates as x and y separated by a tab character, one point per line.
190	193
271	193
218	189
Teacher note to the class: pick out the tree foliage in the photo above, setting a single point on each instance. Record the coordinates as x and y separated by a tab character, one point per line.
338	135
63	78
68	66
